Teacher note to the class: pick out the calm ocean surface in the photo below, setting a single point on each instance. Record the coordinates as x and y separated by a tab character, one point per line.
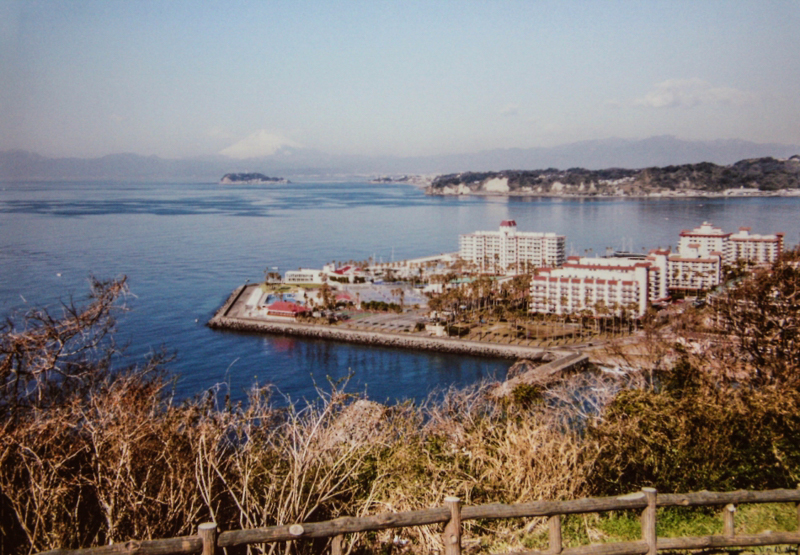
185	247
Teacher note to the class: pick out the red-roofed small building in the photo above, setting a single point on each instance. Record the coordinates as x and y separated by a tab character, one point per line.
283	309
348	274
344	299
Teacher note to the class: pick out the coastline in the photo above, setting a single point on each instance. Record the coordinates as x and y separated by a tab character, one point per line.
223	320
728	193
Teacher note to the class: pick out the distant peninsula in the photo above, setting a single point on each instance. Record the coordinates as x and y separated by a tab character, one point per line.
752	177
416	180
250	178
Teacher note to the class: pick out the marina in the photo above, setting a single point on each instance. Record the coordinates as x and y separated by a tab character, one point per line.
232	316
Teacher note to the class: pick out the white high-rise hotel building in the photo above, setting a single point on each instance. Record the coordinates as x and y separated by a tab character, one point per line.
602	286
703	251
509	250
611	285
732	246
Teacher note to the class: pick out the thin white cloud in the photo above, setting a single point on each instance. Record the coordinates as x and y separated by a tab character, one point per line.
510	110
687	93
260	143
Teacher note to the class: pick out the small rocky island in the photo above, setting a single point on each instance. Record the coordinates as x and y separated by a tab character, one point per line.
249	178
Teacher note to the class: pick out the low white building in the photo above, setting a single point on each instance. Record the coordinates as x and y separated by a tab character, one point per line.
509	250
602	286
305	276
345	274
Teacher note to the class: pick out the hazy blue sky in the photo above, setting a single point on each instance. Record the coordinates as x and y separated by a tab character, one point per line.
182	78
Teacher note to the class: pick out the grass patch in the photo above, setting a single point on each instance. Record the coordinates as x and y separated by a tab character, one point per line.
776	517
620	526
672	522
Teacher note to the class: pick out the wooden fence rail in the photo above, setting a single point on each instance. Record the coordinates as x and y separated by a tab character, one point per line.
208	540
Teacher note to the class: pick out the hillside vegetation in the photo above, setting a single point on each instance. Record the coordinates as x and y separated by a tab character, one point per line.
91	454
759	174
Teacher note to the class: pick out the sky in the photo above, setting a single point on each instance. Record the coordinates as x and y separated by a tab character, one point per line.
181	78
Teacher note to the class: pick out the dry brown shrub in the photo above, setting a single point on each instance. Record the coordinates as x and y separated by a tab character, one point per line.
142	471
110	458
483	451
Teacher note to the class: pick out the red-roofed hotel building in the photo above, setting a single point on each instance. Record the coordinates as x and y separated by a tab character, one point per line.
509	250
606	285
703	251
761	249
706	239
603	286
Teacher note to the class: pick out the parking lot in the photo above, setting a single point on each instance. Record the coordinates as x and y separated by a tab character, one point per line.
385	292
388	322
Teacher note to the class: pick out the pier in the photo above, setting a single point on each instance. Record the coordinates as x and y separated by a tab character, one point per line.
231	316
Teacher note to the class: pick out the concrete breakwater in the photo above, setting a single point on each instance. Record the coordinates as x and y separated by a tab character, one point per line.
395	340
223	319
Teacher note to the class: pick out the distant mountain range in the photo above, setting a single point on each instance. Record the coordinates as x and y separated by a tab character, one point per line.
308	164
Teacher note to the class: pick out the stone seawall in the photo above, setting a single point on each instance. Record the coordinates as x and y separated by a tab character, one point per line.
394	340
226	306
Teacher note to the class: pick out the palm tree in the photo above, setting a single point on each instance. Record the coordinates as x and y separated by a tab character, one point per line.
600	310
327	296
435	304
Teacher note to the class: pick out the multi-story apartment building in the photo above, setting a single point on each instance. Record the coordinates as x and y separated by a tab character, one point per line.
512	251
704	250
690	270
608	285
732	246
603	286
761	249
702	241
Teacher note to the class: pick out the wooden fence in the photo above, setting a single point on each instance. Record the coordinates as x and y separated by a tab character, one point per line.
208	540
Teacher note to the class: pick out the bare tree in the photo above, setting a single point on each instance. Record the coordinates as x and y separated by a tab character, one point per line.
761	316
45	358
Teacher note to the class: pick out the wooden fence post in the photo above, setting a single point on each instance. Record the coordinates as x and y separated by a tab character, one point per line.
296	530
554	533
797	507
336	544
452	531
649	521
208	533
728	520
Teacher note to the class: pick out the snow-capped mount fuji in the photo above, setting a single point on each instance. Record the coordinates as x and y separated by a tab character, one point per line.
299	163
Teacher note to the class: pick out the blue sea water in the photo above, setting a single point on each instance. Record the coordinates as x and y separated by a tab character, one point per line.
185	247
